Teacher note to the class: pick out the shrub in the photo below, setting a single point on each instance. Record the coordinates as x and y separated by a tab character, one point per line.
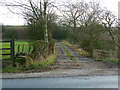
42	49
39	49
84	53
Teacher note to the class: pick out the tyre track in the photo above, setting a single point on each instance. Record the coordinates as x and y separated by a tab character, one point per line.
76	55
77	62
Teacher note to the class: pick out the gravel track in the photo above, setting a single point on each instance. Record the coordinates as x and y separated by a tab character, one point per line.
77	62
76	55
61	53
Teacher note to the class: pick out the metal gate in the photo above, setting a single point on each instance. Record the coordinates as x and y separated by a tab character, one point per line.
11	54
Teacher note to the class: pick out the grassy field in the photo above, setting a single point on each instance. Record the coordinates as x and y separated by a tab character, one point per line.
7	45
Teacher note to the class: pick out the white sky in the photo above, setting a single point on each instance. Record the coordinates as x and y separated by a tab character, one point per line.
7	18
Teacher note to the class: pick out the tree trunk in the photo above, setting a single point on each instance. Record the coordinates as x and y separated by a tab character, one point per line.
45	18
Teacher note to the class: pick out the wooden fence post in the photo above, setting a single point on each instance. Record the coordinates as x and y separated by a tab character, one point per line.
29	48
18	48
23	48
13	51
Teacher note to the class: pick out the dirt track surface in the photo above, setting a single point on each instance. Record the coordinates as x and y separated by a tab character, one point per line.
78	62
67	66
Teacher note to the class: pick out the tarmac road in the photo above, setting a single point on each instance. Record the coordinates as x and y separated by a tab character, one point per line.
63	82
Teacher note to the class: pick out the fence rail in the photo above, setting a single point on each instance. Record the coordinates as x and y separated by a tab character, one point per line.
21	48
100	54
5	48
12	51
5	41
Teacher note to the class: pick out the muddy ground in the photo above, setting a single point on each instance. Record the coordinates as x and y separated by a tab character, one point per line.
78	62
81	63
67	66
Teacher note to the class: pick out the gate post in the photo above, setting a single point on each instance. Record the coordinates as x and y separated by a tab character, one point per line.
12	46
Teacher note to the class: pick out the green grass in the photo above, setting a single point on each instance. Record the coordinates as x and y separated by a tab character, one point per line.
67	52
7	45
10	69
34	65
83	53
108	59
40	64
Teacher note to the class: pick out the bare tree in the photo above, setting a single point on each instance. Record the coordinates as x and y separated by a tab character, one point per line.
81	14
35	12
109	21
71	14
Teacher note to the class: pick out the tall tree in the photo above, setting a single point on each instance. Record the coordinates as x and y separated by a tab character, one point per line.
36	14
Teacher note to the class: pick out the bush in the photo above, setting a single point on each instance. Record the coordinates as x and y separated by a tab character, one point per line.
41	63
39	49
42	49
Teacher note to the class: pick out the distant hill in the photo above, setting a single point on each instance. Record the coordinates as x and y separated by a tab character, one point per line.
22	27
19	32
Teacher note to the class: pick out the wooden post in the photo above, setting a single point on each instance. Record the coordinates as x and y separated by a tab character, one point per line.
12	51
22	48
29	48
18	48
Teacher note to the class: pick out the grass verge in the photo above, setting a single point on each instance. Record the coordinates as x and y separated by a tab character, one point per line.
108	60
12	69
39	64
44	62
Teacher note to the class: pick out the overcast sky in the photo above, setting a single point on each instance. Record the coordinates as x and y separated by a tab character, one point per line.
8	18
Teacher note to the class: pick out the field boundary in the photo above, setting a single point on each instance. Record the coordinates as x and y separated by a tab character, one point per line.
12	52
